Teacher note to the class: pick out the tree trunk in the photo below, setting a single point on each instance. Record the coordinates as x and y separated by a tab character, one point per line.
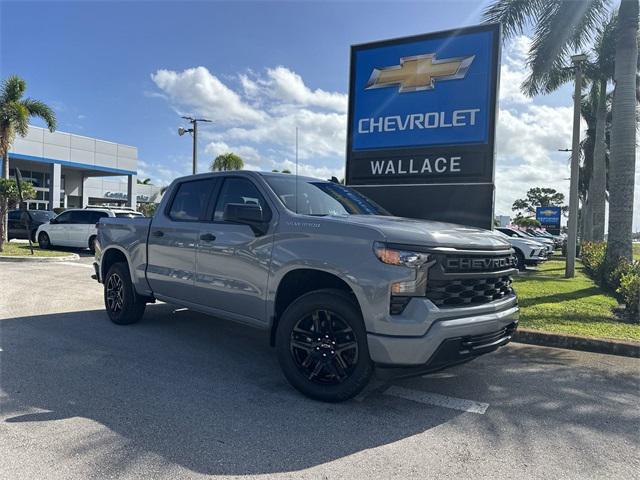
4	223
598	184
623	135
587	220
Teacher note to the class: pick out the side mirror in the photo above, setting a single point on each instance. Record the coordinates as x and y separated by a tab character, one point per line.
514	235
53	221
248	214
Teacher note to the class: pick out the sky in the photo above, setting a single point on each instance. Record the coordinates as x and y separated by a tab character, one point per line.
126	71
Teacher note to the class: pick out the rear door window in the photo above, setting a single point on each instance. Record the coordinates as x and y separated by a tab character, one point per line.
190	201
239	190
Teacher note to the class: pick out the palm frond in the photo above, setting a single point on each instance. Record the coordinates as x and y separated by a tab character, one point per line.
514	15
40	109
559	74
561	27
12	89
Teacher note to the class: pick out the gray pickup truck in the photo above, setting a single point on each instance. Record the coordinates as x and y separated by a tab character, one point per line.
340	284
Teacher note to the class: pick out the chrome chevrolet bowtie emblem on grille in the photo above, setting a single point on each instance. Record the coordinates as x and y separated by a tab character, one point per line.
419	72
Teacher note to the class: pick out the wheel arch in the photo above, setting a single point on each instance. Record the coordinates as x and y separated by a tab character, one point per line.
298	282
113	255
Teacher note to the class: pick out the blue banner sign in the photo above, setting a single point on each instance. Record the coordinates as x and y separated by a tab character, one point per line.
549	216
422	111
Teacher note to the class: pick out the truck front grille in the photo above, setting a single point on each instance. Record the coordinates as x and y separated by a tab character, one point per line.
468	291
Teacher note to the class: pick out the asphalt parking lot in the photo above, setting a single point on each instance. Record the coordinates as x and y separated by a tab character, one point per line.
181	395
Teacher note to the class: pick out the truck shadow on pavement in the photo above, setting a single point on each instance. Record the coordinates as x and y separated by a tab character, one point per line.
200	392
208	395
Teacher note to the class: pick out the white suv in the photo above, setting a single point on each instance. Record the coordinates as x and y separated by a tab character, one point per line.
76	227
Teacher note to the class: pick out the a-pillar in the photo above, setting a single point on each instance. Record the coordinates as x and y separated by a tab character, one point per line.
55	181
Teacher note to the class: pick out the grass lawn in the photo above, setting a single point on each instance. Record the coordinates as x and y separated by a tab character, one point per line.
636	251
574	306
13	249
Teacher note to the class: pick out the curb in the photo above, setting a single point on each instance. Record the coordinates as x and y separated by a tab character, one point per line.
29	259
575	342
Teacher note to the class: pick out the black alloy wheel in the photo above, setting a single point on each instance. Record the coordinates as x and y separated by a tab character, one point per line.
324	348
114	292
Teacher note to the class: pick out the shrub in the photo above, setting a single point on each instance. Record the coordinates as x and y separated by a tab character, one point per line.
593	255
629	287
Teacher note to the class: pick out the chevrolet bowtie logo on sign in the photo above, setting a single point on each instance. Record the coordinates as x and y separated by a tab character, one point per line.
419	72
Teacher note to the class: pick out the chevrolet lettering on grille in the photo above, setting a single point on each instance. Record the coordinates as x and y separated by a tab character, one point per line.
478	264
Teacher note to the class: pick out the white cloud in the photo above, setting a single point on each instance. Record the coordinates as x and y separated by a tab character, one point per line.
202	93
513	72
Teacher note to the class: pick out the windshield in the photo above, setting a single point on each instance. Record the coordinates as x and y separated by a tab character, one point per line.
41	215
321	198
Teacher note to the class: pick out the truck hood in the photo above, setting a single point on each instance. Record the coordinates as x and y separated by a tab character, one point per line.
411	231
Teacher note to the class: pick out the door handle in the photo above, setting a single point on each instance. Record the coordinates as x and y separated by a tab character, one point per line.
208	237
157	233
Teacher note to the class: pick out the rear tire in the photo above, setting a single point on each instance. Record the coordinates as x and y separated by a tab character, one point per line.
92	244
322	348
124	306
44	242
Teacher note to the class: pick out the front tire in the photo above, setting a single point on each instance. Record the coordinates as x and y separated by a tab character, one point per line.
44	242
322	348
124	306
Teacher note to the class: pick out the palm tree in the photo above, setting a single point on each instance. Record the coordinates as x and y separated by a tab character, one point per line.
623	135
15	113
560	27
227	161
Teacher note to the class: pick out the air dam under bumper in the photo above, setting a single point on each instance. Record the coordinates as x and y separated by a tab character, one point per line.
447	342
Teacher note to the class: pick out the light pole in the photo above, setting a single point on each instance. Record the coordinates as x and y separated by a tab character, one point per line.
572	237
194	132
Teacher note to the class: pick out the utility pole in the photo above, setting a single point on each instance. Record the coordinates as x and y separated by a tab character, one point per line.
194	133
572	238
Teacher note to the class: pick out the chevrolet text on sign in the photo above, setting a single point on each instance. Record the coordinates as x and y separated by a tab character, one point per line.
422	111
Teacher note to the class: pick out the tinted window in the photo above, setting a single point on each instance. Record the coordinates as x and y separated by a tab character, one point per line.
238	190
64	217
190	201
96	216
14	215
81	216
321	198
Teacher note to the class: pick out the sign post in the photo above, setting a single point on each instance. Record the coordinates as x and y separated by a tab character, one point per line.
421	128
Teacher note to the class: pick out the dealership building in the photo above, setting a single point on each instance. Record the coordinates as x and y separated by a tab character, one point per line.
69	170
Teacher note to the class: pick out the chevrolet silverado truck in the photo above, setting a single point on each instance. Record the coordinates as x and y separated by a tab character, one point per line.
341	285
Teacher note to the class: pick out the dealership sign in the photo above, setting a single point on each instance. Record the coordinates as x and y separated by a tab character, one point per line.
422	112
549	217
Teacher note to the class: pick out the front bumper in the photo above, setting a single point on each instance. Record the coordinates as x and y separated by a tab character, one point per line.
447	342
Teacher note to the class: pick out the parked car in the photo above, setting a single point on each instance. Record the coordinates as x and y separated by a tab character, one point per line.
528	252
76	227
513	232
24	224
557	239
340	284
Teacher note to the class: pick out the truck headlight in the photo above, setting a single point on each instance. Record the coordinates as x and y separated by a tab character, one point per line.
393	256
406	258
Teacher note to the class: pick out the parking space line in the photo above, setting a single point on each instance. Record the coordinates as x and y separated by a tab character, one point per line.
438	400
74	264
